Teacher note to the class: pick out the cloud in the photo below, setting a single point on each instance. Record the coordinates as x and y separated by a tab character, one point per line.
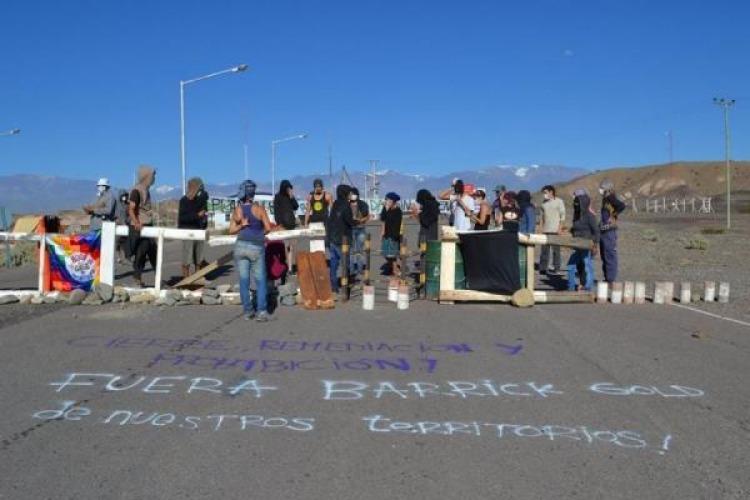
568	53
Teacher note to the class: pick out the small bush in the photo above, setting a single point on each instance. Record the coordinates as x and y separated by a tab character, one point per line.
650	235
713	230
696	244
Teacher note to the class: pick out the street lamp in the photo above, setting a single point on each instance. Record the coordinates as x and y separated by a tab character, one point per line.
235	69
14	131
726	104
273	156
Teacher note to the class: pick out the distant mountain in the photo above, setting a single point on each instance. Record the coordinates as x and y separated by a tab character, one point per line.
35	193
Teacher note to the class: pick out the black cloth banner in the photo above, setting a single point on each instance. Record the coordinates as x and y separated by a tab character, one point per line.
491	261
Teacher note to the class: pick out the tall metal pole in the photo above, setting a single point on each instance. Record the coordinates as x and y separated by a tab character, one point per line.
725	105
182	135
273	166
247	174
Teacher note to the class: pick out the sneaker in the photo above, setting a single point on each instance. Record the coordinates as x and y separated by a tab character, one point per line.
249	315
263	317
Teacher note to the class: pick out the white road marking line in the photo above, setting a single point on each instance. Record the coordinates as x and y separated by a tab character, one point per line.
718	316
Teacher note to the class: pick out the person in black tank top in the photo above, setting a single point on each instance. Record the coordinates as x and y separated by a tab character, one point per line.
484	216
318	202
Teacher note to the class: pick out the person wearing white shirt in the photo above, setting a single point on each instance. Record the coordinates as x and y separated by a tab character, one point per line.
462	205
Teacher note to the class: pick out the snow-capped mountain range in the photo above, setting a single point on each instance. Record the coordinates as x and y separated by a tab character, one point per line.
23	193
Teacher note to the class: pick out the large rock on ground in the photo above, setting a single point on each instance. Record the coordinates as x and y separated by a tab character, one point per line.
223	288
208	300
8	299
209	292
92	299
76	297
141	298
231	300
194	300
105	291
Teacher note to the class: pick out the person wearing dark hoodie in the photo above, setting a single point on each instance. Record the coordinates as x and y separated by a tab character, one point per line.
391	218
191	214
527	222
285	206
140	214
584	226
612	207
340	224
427	212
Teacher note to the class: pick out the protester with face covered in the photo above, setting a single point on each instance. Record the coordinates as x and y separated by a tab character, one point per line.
103	207
360	214
251	224
340	224
584	226
318	202
427	211
140	213
612	207
121	219
391	218
192	214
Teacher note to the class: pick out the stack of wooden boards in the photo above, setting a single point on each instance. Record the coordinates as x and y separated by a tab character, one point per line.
314	280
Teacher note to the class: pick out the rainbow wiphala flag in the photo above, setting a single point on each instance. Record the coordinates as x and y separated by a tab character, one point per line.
74	260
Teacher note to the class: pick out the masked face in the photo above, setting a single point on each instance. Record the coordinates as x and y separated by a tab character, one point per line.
601	191
353	197
547	195
100	189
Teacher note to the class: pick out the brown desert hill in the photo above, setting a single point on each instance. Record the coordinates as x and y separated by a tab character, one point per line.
678	179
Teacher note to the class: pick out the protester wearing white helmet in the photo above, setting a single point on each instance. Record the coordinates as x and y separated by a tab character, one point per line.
103	207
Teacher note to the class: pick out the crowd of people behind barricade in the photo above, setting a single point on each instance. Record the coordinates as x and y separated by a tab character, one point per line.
345	218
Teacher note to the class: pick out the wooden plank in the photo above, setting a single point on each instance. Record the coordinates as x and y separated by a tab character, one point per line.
322	280
543	297
306	281
530	274
206	270
563	240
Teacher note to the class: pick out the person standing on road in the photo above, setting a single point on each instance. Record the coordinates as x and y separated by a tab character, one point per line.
251	224
510	214
360	214
390	232
527	221
462	205
484	215
340	224
318	202
427	211
497	205
612	207
140	214
103	207
584	226
191	214
553	220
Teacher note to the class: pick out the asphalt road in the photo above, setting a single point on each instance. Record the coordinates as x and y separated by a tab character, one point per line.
465	401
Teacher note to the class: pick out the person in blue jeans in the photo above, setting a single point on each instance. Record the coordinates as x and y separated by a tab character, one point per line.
361	214
250	223
584	226
340	224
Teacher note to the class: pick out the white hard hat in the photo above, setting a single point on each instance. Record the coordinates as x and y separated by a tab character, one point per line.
103	182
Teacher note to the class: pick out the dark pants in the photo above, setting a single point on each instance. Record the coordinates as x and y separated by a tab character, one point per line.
335	254
544	256
608	251
142	248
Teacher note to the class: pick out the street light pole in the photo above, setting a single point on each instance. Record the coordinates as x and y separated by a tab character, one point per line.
234	69
725	104
273	156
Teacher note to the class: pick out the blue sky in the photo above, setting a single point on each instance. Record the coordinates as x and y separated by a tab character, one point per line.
426	87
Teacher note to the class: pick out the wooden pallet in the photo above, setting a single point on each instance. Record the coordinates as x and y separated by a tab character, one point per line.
314	281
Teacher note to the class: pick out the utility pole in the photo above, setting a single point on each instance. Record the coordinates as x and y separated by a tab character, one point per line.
330	167
725	104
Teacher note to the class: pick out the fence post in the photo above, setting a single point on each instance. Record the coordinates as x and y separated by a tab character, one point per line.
368	246
344	268
107	256
403	255
159	260
422	270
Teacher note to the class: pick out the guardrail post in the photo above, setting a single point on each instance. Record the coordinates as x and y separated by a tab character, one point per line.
368	247
107	255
